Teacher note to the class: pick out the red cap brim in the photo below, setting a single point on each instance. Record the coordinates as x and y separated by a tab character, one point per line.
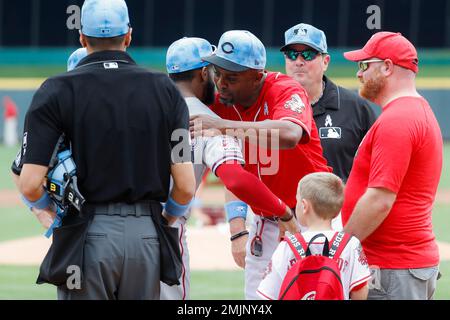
356	55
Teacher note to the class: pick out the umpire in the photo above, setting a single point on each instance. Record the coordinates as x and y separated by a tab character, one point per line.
124	124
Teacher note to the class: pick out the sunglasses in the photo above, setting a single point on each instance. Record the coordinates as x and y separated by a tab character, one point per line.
364	65
307	55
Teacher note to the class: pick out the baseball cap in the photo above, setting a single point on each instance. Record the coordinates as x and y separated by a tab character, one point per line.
186	54
388	45
104	18
305	34
75	57
239	50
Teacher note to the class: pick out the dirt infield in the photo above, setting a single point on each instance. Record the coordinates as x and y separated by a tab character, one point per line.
9	198
209	249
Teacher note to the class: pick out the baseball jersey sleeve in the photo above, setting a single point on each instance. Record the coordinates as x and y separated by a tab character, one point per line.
180	139
219	149
359	268
42	128
387	168
291	103
269	287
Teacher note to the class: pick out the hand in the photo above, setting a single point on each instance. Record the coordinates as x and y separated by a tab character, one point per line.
204	125
44	216
291	225
238	250
170	219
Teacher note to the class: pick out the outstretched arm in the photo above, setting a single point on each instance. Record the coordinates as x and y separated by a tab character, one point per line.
276	134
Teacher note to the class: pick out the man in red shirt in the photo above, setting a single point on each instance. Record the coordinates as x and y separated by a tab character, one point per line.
395	175
271	113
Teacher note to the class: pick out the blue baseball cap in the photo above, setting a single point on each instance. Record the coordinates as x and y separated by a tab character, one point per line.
104	18
75	57
239	50
305	34
186	54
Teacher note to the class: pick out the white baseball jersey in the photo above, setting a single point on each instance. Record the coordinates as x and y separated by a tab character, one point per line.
255	267
211	152
208	152
352	263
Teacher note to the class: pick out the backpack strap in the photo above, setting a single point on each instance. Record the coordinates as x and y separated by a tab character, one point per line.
326	245
297	244
338	243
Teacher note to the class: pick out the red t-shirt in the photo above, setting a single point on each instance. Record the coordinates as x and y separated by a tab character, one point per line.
402	152
281	98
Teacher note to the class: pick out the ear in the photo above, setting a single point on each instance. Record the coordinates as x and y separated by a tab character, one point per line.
306	206
260	75
204	74
326	62
128	38
83	40
387	68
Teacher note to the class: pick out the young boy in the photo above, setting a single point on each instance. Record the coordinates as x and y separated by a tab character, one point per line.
319	199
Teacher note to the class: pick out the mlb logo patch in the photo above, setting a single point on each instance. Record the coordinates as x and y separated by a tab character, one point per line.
111	65
330	133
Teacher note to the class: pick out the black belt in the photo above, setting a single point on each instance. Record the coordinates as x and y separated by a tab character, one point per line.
123	209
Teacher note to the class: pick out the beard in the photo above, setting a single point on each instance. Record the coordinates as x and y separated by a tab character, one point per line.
210	93
226	102
371	88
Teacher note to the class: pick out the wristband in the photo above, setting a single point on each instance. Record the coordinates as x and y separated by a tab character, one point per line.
175	209
236	209
288	219
238	235
43	202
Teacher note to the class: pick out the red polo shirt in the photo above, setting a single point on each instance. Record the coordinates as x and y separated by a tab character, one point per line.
281	98
402	152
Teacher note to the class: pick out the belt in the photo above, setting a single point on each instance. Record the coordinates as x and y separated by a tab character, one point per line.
123	209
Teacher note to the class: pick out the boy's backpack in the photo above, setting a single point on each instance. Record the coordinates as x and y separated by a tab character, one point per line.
314	277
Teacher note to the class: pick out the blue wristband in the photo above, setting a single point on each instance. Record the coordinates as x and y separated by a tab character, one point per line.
236	209
43	202
175	209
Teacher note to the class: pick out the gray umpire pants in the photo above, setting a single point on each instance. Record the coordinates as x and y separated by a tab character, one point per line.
121	260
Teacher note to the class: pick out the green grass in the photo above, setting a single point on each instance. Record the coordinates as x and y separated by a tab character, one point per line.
441	221
17	222
445	176
443	284
7	156
18	283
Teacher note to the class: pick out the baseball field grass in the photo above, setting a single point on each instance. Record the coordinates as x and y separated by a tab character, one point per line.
18	282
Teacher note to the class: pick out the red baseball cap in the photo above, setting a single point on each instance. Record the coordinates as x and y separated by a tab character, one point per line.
388	45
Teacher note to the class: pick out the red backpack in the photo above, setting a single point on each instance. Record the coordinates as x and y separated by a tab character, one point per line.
314	277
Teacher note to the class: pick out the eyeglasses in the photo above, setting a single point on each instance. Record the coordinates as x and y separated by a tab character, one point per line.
364	65
307	55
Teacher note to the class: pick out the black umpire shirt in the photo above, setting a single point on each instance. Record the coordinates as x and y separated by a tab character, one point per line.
119	119
342	118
